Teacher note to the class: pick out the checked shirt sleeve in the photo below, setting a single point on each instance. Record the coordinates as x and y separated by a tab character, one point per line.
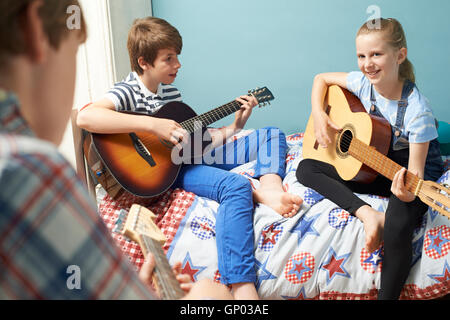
53	243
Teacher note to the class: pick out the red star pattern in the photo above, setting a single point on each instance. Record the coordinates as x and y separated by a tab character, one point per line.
188	269
334	266
269	235
444	277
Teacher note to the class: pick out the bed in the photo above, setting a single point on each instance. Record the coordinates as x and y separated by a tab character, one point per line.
317	254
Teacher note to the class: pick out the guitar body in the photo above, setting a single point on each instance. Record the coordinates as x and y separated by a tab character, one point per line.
358	151
348	113
144	176
145	165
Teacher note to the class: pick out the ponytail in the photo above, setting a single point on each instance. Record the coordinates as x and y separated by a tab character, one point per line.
406	71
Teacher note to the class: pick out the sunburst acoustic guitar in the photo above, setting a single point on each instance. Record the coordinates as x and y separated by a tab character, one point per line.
358	151
142	163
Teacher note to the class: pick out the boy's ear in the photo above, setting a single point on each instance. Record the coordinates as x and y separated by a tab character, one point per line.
402	54
143	64
36	42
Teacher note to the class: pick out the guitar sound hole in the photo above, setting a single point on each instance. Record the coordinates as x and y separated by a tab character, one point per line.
346	139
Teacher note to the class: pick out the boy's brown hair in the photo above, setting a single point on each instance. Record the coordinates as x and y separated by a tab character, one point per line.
54	15
147	36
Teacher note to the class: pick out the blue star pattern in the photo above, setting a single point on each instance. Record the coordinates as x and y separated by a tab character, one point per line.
373	261
262	273
305	227
375	258
300	296
444	276
332	242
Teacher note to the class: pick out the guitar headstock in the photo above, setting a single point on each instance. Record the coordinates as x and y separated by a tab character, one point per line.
139	221
436	196
262	95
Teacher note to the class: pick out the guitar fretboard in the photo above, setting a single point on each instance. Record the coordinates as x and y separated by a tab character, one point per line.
168	285
380	163
210	117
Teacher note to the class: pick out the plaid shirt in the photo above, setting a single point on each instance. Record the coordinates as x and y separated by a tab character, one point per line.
53	243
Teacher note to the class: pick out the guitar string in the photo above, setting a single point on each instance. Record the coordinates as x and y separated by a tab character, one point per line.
217	114
393	167
211	116
158	252
383	163
166	280
149	141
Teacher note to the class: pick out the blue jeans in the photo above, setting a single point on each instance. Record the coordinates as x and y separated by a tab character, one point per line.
233	192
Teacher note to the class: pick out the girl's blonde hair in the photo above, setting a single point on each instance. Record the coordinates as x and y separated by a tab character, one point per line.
395	36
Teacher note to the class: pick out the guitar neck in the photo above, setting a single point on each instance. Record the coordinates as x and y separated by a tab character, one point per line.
167	284
381	164
211	116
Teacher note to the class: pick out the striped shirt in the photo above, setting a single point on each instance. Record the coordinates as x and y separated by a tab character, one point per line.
132	95
53	243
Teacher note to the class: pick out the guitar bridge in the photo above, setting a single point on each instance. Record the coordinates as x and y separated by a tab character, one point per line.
142	150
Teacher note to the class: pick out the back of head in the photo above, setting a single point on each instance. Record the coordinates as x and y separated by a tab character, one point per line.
54	16
394	35
147	36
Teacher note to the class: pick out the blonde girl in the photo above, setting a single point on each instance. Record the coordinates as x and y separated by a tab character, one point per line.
386	87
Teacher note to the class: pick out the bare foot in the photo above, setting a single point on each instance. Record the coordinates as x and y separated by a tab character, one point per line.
286	204
373	226
244	291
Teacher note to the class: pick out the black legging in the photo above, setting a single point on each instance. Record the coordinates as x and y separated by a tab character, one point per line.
401	218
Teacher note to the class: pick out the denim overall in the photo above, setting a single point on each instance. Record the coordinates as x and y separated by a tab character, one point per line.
399	148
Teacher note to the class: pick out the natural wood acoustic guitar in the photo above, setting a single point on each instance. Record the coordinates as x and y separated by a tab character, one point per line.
138	225
358	151
143	164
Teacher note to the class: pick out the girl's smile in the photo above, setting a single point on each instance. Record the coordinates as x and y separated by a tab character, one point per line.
380	62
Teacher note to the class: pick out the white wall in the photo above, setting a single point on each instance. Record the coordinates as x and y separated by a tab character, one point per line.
103	59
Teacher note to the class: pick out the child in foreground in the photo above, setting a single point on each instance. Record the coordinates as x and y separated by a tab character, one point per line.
50	231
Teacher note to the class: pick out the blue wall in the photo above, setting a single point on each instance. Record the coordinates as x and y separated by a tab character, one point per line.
231	46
